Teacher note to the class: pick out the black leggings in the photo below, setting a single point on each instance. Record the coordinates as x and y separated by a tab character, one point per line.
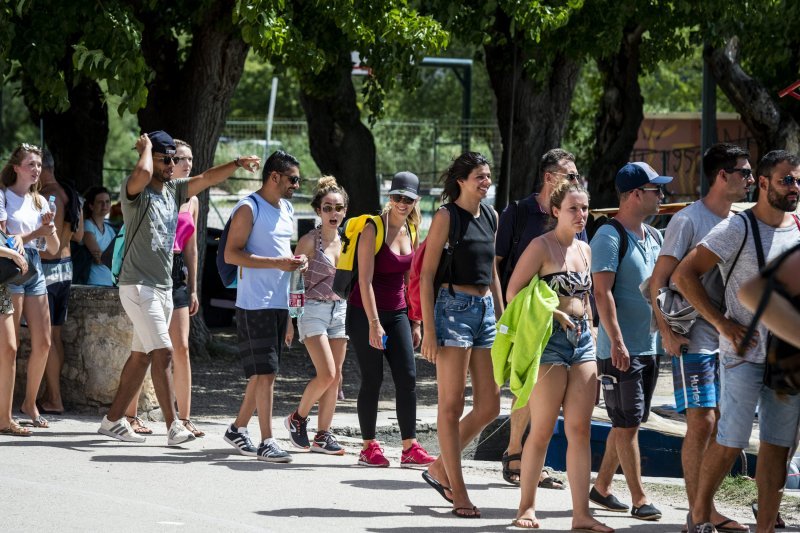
399	353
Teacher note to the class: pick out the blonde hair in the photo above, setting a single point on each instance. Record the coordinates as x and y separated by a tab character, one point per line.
325	186
8	176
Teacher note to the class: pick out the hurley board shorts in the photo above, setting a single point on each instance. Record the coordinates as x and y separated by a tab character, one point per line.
695	381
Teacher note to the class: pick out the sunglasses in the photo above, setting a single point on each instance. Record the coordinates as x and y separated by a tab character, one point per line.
787	181
400	199
294	180
745	172
329	208
167	159
572	176
657	190
29	147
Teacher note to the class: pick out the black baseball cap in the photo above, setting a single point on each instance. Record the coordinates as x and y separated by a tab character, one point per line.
163	143
405	183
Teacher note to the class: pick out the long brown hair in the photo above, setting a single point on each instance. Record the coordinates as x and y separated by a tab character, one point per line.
8	176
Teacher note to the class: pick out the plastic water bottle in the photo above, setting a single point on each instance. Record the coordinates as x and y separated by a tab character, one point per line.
297	294
41	242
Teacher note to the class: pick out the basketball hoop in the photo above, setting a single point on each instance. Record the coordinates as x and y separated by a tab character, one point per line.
791	90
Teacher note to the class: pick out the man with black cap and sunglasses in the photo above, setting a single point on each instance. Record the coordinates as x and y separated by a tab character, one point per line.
627	363
150	200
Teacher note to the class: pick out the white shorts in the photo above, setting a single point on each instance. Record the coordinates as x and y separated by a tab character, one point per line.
150	310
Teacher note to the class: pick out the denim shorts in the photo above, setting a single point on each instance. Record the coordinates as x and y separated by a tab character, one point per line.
463	320
559	351
36	286
743	388
323	317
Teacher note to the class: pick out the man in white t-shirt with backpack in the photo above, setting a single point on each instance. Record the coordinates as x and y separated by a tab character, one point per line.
741	245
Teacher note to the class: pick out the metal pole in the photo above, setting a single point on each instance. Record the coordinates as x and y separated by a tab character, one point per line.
708	124
270	116
466	109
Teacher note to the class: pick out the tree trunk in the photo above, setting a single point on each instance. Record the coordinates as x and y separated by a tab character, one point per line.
340	143
619	117
77	137
190	100
772	127
540	112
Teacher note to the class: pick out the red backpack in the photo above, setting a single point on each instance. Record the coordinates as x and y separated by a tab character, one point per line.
445	263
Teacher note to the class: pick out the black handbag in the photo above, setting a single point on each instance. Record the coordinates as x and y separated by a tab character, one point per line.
10	273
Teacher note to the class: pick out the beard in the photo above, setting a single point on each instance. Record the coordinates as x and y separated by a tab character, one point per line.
779	201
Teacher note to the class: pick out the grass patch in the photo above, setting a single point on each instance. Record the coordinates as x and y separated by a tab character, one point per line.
738	490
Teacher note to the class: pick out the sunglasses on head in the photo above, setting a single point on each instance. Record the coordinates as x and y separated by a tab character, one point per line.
167	159
29	147
400	199
745	172
329	208
787	181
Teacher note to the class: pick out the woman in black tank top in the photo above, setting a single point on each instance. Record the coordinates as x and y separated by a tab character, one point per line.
459	322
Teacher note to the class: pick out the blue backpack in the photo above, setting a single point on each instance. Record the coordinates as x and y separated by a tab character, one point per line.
227	272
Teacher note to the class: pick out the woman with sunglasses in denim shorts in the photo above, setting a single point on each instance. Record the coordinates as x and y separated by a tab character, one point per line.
322	325
25	215
378	324
460	322
567	369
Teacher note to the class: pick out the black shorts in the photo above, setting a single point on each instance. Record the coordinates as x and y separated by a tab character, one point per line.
180	296
628	394
58	298
261	333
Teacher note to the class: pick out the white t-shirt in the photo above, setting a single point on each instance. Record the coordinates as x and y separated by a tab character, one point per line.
724	241
20	213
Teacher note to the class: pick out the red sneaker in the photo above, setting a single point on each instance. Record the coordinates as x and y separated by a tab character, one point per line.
416	455
373	456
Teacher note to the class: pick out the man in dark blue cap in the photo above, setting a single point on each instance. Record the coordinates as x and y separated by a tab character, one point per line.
150	200
627	364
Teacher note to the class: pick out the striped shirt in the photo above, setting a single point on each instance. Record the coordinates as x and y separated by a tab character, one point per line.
319	275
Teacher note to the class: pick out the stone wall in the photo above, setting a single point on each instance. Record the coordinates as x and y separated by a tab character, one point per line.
97	342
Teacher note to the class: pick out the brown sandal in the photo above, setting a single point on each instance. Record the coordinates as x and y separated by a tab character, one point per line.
189	425
16	430
137	424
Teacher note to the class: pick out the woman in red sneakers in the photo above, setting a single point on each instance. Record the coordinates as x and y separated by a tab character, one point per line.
321	327
378	324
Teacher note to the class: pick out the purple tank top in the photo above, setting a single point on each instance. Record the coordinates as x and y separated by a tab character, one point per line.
388	280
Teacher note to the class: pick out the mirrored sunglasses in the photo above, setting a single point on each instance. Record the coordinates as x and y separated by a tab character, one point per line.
329	208
400	199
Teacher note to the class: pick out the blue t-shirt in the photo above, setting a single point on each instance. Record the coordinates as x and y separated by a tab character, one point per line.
100	275
633	311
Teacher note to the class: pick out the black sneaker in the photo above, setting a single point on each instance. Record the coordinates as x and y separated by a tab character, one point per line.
609	503
240	440
326	443
298	432
270	452
647	511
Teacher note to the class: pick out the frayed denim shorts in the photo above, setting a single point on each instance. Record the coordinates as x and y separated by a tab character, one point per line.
560	351
323	317
36	286
463	320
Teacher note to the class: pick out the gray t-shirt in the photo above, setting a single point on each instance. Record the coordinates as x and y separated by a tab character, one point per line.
149	258
685	231
724	241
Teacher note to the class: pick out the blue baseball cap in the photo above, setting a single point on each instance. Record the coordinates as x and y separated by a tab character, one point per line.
162	142
635	175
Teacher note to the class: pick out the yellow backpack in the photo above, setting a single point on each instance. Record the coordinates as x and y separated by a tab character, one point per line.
347	266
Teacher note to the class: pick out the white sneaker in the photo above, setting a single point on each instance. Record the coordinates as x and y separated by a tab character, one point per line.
178	434
121	430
